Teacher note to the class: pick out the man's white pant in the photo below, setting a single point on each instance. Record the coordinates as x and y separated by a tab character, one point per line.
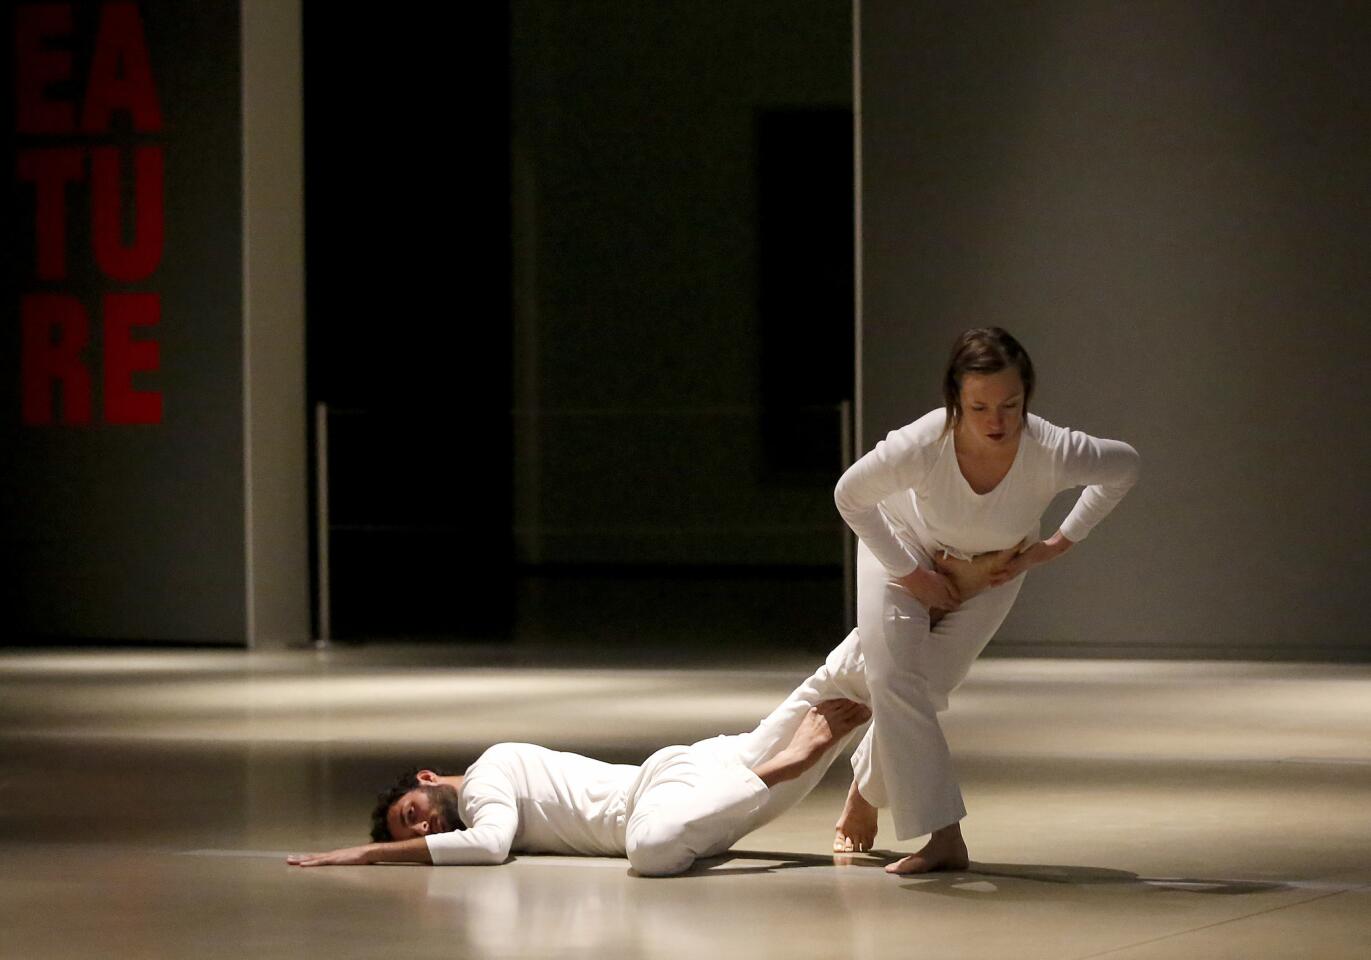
697	801
904	763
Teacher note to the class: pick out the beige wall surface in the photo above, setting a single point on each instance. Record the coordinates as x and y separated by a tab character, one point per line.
274	325
1168	204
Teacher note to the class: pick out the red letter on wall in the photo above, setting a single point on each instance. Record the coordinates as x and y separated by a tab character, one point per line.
38	68
45	361
138	261
120	74
50	170
125	356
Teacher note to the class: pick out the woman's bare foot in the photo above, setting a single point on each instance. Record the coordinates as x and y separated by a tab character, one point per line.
945	850
855	830
824	725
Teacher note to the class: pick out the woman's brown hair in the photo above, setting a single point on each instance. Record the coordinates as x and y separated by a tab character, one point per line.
983	350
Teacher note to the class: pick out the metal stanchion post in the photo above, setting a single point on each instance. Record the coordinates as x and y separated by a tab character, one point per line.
849	542
321	642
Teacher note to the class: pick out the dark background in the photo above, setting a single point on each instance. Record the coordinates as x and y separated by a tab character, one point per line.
409	305
580	301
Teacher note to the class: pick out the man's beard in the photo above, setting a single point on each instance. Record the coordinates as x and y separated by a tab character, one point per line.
446	801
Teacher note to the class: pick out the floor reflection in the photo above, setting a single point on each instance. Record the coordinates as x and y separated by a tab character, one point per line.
146	802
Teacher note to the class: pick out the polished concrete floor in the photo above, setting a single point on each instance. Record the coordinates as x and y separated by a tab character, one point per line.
1129	810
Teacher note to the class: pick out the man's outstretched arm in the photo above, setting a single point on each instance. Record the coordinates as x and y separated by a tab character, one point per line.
493	805
413	850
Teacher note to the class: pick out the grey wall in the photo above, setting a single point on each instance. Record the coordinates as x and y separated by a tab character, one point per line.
1168	203
637	408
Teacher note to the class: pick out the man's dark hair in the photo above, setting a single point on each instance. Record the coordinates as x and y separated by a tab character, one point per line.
407	781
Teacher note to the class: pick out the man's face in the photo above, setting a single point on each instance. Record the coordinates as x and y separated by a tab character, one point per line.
429	808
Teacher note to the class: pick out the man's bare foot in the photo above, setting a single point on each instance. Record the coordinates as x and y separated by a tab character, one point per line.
945	850
855	830
824	725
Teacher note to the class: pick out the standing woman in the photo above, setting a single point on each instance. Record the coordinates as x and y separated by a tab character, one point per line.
947	511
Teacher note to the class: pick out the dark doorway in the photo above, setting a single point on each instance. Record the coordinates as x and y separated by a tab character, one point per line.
805	293
409	302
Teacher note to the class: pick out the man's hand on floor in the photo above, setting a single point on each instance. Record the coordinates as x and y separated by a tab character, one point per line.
347	856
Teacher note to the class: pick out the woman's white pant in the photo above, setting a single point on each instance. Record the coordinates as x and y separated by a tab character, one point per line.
903	763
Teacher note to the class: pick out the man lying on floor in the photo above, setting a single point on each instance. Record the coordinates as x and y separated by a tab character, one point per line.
681	804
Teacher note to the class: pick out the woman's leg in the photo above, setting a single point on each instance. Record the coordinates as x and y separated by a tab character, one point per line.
964	632
911	668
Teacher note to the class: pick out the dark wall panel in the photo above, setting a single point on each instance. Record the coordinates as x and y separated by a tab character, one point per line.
682	229
121	497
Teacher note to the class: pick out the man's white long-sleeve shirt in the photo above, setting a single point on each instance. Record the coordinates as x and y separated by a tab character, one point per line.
528	798
909	494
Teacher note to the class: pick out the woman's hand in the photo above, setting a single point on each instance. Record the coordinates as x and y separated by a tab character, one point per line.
1044	551
932	589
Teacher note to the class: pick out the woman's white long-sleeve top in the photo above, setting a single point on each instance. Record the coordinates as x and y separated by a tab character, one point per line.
908	496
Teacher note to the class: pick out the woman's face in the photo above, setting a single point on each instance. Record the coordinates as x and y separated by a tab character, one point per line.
992	406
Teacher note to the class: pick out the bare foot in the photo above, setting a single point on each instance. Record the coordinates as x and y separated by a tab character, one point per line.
824	725
855	830
945	850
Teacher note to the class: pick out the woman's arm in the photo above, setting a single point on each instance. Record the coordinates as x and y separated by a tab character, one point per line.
1044	551
1107	468
898	463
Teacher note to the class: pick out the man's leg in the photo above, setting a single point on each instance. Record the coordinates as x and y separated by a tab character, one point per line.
683	806
693	802
825	725
842	676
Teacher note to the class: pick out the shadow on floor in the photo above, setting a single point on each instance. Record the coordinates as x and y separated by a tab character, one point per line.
978	874
718	866
978	879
